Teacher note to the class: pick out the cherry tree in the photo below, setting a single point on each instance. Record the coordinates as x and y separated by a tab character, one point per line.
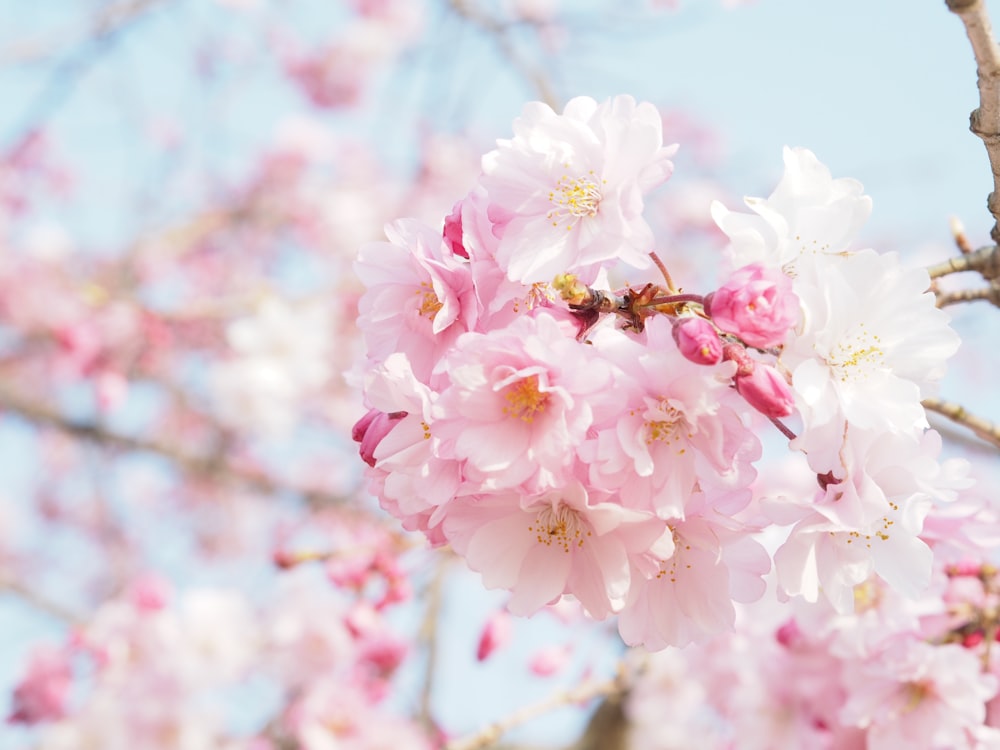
279	391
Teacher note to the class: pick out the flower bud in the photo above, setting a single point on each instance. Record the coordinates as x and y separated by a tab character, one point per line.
757	304
496	634
371	428
766	391
697	341
453	231
43	693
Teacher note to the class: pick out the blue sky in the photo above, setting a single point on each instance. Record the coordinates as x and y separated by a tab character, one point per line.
880	91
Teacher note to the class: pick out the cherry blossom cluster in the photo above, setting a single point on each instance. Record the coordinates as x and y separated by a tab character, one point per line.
570	434
148	670
918	672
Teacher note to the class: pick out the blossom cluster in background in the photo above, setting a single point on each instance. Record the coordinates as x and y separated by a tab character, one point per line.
641	451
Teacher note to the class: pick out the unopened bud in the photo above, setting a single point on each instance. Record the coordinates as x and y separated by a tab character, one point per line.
371	428
496	634
453	231
697	341
766	391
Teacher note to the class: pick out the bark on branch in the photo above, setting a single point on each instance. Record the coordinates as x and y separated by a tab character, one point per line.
488	736
985	119
985	260
206	466
990	294
958	414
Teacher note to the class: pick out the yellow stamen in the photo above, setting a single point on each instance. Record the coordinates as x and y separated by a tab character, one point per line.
430	304
524	399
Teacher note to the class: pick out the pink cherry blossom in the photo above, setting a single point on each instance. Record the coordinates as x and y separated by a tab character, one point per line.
544	546
418	299
757	304
872	345
677	426
520	401
566	192
918	695
688	594
809	213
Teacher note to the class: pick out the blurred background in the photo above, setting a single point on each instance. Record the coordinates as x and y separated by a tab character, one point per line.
188	555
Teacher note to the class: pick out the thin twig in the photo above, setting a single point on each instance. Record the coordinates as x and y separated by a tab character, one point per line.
585	692
106	20
36	600
985	260
990	293
675	299
429	633
959	235
958	414
213	466
61	83
782	428
500	32
663	270
985	119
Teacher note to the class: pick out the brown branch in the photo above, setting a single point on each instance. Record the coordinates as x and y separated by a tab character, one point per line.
39	602
429	634
985	260
985	119
587	691
212	466
499	31
958	414
990	294
106	20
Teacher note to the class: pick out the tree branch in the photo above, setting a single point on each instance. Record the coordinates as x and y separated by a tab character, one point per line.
589	690
957	413
429	633
206	466
985	260
36	600
105	32
990	294
985	119
106	21
499	31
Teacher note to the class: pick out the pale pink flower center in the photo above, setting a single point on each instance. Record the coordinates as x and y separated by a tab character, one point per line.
524	400
668	568
574	198
560	526
429	303
914	694
857	356
866	596
664	423
539	293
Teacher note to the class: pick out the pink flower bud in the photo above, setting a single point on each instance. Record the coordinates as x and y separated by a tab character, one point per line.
453	231
697	341
757	304
150	593
550	660
371	428
789	635
495	635
766	391
42	693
